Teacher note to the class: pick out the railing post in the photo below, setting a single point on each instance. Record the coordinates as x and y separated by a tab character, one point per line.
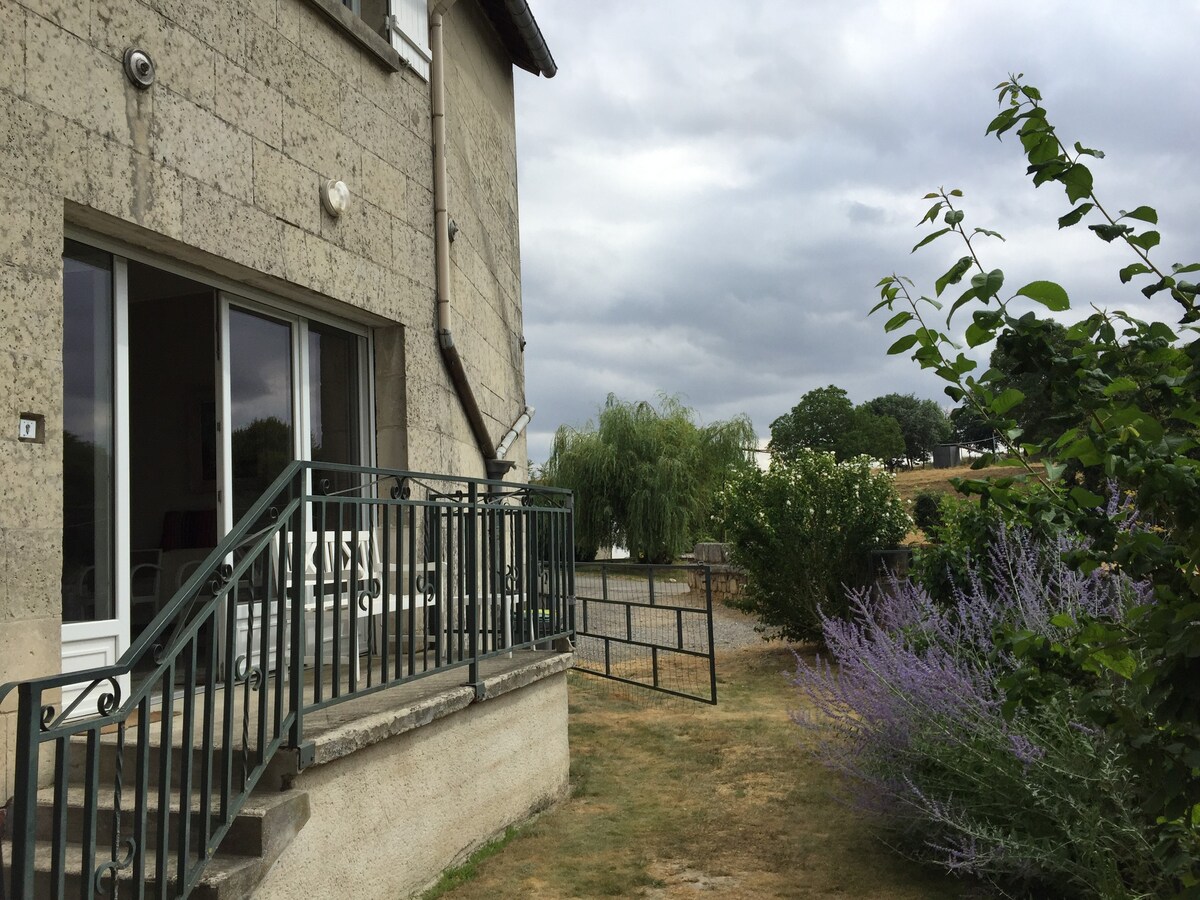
23	828
570	563
712	651
296	642
473	620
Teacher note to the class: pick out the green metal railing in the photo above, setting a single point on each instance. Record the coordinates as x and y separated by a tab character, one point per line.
339	581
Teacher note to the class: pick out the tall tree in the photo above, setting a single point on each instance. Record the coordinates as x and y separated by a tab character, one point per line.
645	477
922	422
817	422
825	420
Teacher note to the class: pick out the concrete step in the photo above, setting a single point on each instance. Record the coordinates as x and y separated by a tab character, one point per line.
266	824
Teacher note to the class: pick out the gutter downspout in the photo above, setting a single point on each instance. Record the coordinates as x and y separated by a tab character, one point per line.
496	468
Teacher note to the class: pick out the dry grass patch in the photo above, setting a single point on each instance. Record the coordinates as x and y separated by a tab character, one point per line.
672	798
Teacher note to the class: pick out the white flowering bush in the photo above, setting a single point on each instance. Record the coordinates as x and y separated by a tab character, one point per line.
804	530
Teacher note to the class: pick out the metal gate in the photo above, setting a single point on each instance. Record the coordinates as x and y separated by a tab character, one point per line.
646	625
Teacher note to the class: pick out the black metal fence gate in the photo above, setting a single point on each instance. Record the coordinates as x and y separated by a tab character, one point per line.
647	625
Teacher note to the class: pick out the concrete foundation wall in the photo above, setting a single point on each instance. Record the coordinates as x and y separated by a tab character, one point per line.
218	166
386	820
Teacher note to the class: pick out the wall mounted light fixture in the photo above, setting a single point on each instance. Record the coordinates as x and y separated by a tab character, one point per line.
335	197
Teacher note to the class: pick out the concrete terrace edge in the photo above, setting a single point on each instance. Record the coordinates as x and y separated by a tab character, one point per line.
351	737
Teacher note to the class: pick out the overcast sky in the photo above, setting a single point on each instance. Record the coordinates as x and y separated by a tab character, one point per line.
710	190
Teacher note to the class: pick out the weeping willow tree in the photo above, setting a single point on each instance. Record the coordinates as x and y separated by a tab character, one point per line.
645	477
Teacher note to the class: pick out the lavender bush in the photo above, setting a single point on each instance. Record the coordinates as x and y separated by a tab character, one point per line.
1031	797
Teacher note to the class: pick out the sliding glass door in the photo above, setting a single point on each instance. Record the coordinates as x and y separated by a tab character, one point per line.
225	392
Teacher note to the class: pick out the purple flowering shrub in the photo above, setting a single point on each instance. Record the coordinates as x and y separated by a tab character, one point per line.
1032	797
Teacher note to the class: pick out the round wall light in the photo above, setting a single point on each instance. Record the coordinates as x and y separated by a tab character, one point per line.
335	197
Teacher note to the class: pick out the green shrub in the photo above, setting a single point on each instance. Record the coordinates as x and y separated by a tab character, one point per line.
804	531
964	530
926	513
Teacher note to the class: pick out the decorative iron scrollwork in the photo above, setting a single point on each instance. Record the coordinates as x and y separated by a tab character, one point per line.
326	487
372	591
243	671
113	867
108	701
512	578
401	490
221	578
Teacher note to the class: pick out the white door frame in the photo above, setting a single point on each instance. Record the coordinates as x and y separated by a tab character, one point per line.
101	642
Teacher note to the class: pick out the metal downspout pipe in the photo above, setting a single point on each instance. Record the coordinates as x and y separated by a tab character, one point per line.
493	458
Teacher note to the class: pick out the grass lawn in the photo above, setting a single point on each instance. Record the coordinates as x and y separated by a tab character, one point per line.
671	799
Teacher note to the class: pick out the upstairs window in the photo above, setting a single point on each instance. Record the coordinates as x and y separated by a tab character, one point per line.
403	23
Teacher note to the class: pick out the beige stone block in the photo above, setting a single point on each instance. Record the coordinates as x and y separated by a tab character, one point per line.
31	234
287	19
29	648
202	146
219	224
419	208
134	186
218	23
324	267
404	100
318	144
249	103
31	312
369	125
383	185
68	76
286	189
32	573
281	63
267	10
32	479
326	43
183	63
71	15
363	229
413	254
12	48
411	154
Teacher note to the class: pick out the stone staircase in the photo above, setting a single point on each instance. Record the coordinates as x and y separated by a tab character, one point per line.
266	824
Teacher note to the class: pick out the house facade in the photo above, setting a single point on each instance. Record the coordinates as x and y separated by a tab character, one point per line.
236	235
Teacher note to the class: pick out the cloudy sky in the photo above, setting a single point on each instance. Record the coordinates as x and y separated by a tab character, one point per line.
709	191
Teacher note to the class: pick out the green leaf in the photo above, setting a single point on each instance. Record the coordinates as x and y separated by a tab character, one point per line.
1007	399
1047	293
1085	151
977	334
1122	384
1085	498
1062	620
1135	269
956	193
1054	471
1120	662
1180	269
988	284
1073	217
1078	181
931	214
953	216
905	343
954	274
897	320
929	237
988	232
1142	214
967	296
1109	233
1146	240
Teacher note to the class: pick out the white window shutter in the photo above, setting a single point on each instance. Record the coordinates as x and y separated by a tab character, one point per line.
408	25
